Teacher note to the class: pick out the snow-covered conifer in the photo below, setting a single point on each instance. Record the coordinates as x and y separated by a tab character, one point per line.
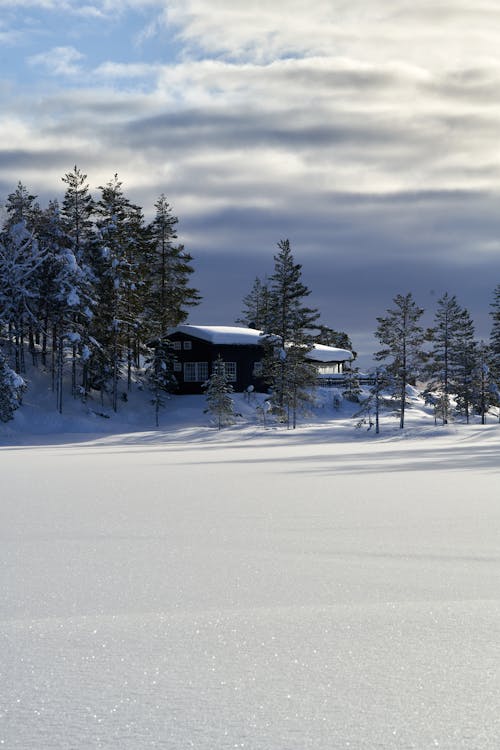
115	287
20	262
11	389
159	375
218	394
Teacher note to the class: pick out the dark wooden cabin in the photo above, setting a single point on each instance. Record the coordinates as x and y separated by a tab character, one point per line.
196	348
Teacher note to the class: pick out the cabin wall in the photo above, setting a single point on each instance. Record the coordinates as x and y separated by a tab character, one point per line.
194	360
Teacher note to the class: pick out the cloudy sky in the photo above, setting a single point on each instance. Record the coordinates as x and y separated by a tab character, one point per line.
365	131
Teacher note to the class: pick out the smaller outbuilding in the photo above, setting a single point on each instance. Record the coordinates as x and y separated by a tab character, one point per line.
196	348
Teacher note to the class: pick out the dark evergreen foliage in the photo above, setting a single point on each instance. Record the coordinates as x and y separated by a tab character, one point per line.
256	306
288	336
88	284
452	326
329	337
11	389
495	337
403	337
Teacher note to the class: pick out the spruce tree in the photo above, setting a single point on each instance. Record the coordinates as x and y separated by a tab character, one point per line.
20	262
51	241
482	384
465	357
77	213
169	271
403	337
159	375
116	285
22	207
495	337
288	335
446	337
218	394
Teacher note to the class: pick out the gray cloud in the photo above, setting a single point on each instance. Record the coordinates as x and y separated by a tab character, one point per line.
368	136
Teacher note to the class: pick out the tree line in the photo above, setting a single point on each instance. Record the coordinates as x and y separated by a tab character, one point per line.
85	286
461	374
88	290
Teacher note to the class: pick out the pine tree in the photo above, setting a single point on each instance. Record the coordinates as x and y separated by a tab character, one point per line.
288	335
330	337
495	337
464	365
256	306
20	264
446	336
22	207
169	272
482	384
218	393
77	212
116	281
403	337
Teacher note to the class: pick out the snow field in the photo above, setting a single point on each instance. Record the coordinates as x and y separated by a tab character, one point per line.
268	590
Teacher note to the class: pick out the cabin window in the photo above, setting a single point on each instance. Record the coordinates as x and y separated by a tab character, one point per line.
188	344
176	345
257	369
177	366
195	372
230	370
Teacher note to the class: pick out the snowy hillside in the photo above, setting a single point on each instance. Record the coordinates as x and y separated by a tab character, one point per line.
256	587
38	416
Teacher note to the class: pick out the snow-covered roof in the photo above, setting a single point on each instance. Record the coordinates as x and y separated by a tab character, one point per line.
221	334
323	353
240	336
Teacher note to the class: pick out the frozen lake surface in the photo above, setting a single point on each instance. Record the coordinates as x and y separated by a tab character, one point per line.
251	589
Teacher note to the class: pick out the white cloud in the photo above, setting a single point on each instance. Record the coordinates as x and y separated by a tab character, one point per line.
113	70
59	60
349	122
429	33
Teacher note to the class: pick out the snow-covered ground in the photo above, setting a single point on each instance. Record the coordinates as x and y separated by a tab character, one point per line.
251	588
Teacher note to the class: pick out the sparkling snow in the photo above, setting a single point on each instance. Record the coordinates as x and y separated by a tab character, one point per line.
259	589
